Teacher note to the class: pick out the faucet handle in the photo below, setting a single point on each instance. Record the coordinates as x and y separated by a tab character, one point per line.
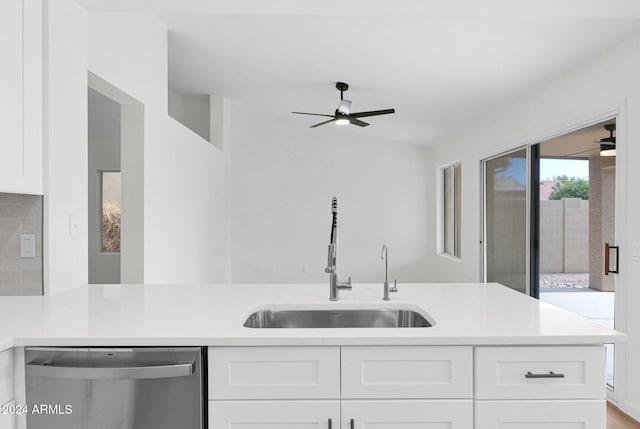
345	285
394	288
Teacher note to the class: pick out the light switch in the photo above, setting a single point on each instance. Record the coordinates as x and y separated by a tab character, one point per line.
74	226
27	245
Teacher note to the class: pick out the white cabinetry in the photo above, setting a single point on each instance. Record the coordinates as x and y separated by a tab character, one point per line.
274	414
541	387
540	414
409	414
407	387
326	387
540	372
21	106
7	420
274	372
407	372
274	387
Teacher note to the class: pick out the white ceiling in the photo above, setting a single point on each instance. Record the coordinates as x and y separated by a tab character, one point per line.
441	66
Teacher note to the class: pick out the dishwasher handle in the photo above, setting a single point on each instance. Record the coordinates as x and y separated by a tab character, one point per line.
109	373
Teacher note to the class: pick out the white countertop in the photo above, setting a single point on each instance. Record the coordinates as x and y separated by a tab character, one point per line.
210	315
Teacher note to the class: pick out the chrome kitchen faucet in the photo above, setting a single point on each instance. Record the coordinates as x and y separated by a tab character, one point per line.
334	278
387	289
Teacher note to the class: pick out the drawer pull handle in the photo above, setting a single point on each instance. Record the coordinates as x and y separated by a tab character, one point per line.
551	374
352	424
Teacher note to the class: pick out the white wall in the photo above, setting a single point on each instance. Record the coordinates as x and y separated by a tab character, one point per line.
192	111
283	176
199	196
185	179
606	82
65	254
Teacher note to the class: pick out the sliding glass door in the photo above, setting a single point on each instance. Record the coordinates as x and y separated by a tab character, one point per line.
505	220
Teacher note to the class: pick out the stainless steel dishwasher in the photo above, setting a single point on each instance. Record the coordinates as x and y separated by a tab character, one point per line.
116	388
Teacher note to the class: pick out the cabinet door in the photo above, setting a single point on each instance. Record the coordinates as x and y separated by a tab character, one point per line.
403	414
540	414
274	372
21	105
274	414
6	376
11	88
442	372
7	418
576	372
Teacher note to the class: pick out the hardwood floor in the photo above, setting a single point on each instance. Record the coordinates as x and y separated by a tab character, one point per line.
616	419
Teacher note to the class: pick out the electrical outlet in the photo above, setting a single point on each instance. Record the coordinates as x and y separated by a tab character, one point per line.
305	268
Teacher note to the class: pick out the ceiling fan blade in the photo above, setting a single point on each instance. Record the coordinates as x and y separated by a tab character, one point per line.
322	123
312	114
583	151
358	122
372	113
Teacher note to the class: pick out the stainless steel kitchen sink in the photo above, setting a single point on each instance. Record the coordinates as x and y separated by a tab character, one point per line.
337	318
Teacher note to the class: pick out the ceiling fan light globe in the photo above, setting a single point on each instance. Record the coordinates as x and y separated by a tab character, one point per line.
342	121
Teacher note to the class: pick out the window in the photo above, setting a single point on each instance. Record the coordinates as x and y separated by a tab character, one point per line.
450	212
111	214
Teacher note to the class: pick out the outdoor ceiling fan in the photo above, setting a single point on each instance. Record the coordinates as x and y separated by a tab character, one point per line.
608	144
343	115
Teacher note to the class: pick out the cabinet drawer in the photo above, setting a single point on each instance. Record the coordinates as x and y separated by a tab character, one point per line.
540	414
526	372
7	419
407	372
274	414
407	414
274	372
6	376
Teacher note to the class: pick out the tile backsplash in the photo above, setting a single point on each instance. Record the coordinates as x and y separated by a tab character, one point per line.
20	214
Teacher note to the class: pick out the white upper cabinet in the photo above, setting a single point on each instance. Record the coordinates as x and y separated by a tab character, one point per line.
21	105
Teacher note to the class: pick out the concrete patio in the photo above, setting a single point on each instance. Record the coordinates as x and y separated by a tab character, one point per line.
591	304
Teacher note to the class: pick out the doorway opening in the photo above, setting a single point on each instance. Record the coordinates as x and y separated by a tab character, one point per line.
576	203
549	225
105	190
116	185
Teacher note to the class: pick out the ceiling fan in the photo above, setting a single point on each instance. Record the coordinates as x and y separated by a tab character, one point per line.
343	115
608	144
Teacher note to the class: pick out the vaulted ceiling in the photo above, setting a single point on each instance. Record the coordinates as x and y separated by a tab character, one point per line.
441	65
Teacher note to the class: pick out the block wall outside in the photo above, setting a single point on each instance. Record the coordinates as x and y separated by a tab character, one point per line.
564	236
